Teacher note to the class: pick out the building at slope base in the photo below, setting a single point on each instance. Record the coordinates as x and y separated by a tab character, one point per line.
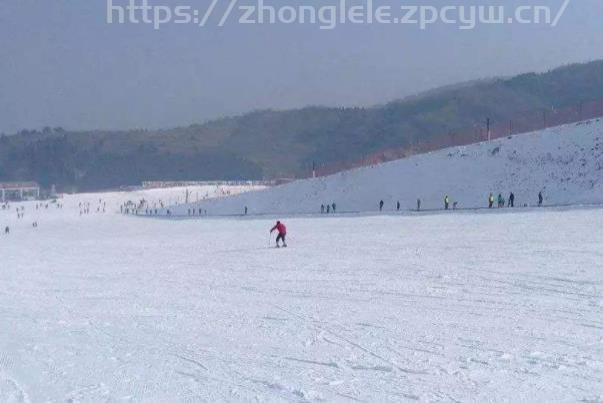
16	191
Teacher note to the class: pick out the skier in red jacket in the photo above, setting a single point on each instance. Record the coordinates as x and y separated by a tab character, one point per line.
282	233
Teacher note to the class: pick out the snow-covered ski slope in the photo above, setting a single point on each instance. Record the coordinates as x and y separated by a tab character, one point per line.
468	306
565	163
167	196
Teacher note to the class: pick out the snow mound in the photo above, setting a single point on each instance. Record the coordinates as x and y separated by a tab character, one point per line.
564	162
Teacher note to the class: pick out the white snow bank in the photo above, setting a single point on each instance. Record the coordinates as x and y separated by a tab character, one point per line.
167	196
565	163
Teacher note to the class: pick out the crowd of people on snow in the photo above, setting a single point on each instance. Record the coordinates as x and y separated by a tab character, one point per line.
84	208
328	209
144	207
157	208
500	201
20	211
193	212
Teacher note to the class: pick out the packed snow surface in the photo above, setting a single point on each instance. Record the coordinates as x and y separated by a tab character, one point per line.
155	197
457	306
565	163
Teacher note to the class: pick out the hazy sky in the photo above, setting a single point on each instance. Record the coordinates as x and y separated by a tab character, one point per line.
61	64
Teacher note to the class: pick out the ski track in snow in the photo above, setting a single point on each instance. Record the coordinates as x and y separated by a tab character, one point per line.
478	306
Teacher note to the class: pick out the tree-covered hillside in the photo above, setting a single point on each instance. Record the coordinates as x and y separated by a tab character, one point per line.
285	143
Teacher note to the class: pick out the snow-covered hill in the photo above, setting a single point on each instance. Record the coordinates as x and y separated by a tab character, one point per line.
155	197
564	162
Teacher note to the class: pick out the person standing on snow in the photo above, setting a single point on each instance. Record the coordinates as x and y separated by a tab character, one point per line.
512	200
282	234
398	206
491	201
381	203
540	199
446	202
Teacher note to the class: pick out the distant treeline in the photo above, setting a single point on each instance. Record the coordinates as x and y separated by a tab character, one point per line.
272	144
